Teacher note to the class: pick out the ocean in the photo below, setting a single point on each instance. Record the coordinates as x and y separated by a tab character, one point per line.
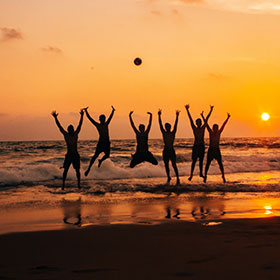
31	197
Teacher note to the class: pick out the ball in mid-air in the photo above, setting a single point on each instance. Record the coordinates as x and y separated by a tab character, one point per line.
137	61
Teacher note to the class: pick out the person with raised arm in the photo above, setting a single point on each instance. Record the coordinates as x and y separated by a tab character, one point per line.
103	145
168	153
71	139
214	147
142	150
198	150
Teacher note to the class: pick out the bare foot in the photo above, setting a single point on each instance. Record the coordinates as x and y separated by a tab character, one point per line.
86	173
190	178
205	179
168	180
178	182
224	179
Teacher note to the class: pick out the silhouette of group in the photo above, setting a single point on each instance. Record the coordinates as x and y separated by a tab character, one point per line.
142	153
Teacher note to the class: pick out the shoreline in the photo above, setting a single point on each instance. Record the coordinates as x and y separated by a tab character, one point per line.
235	249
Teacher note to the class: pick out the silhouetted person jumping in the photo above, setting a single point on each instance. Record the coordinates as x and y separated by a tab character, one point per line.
199	146
214	147
103	145
168	151
71	139
142	150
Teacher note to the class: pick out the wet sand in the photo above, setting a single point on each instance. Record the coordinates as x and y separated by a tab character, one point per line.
234	249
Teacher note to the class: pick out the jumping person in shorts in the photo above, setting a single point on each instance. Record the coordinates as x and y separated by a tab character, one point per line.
142	150
168	151
103	145
198	147
71	139
214	147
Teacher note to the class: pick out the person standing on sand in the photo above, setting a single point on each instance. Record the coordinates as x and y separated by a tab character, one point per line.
142	150
199	146
214	147
71	139
103	145
168	151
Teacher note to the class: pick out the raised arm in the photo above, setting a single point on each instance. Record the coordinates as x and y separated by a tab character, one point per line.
209	114
224	124
55	115
89	117
81	122
189	114
132	123
111	115
176	121
206	123
150	122
160	121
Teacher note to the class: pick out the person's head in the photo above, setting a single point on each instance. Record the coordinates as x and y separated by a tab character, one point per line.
70	129
167	126
198	122
102	118
215	127
142	128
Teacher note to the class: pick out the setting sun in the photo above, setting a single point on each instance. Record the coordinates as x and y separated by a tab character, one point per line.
265	116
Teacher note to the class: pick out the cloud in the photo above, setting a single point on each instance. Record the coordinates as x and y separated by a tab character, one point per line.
217	76
156	13
9	34
51	49
2	115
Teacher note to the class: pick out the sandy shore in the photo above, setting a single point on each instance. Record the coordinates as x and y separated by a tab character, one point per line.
235	249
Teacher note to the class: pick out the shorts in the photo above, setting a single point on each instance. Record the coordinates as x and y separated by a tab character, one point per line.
198	152
103	147
139	157
72	158
169	154
214	153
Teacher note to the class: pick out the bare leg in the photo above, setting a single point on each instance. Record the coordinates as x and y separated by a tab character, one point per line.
174	165
192	168
201	167
78	174
92	162
206	170
64	176
222	169
103	158
166	164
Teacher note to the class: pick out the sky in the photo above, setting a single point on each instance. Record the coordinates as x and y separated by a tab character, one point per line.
67	54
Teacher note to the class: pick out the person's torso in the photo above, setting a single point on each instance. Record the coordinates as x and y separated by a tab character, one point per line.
168	138
199	136
142	141
214	139
72	142
103	132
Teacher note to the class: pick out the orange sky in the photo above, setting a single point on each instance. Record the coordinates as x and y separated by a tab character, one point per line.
67	54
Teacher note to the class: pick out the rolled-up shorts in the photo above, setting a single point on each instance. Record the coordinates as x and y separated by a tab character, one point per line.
169	155
72	158
198	152
214	153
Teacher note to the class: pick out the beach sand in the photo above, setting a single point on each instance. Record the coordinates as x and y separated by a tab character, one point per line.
234	249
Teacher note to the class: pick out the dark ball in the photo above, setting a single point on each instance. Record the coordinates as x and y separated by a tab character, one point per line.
137	61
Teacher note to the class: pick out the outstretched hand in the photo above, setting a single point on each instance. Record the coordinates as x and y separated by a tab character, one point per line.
149	113
211	107
228	115
113	108
201	114
131	112
159	112
177	112
54	114
187	106
84	109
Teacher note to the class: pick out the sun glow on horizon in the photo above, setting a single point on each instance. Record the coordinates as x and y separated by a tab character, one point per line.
265	116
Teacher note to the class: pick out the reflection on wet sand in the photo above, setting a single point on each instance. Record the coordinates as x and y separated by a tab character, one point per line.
72	212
